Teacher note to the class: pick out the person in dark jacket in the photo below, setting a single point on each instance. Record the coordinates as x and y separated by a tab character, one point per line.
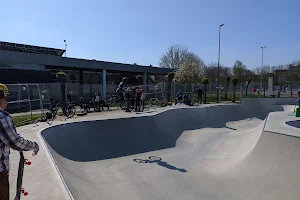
199	92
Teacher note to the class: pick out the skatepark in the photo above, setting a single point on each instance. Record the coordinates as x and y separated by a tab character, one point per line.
222	151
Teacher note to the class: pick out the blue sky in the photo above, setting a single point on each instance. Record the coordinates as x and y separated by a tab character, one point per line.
139	31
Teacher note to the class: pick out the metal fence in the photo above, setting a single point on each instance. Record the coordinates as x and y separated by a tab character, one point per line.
32	99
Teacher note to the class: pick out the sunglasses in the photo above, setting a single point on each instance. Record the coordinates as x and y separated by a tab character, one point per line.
4	95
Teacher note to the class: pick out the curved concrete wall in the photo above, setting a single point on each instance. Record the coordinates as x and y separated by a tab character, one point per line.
105	139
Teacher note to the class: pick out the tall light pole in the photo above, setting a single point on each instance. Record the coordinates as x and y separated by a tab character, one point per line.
262	66
219	88
65	48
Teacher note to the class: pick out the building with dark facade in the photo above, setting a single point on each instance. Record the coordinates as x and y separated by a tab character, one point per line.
21	63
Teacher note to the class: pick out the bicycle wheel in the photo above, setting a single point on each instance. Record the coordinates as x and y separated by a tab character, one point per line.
54	113
153	158
140	160
108	100
123	105
70	111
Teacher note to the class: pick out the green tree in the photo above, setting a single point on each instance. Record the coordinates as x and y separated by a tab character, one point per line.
239	69
235	81
61	76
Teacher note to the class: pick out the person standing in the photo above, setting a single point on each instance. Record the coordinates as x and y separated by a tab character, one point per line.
254	90
102	103
9	138
121	87
139	98
97	101
200	92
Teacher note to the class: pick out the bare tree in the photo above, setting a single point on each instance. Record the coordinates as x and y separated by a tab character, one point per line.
265	70
211	71
257	70
296	62
173	57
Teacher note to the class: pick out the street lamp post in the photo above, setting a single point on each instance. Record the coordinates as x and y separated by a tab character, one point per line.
219	88
65	48
262	66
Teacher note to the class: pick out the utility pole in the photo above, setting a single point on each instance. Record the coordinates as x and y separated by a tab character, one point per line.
219	88
262	66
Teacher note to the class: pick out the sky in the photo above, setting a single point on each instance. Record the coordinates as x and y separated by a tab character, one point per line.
139	31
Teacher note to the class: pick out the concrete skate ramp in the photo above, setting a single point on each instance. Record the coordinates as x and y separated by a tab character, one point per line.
218	152
122	137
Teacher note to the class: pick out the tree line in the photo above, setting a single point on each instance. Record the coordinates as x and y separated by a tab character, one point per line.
189	68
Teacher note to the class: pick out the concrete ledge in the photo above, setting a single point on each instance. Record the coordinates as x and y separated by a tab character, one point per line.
276	123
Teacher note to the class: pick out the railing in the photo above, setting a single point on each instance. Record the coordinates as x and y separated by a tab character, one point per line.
27	102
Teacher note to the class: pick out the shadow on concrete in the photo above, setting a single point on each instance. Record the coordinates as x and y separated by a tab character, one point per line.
158	161
106	139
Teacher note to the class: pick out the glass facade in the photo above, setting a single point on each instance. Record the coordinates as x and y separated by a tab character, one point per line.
113	78
91	84
7	65
82	83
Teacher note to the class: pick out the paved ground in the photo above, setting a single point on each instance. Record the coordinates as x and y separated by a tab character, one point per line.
208	152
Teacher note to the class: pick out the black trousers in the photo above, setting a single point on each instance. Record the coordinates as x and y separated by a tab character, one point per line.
4	186
200	99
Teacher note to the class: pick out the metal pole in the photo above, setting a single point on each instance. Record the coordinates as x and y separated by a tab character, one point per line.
218	95
262	65
41	101
29	102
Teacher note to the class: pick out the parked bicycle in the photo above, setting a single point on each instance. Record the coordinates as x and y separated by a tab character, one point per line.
115	99
67	109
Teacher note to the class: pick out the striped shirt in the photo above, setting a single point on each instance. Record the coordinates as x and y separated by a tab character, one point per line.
9	138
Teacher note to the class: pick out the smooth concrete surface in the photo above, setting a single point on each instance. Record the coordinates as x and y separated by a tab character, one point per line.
277	124
41	179
207	152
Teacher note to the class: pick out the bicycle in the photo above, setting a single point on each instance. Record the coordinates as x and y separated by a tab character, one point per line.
123	104
114	99
151	159
68	110
154	102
